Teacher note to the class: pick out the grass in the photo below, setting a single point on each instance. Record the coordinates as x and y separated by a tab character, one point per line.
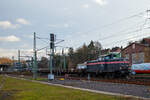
15	89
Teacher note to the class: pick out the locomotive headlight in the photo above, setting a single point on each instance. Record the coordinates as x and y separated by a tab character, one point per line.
120	68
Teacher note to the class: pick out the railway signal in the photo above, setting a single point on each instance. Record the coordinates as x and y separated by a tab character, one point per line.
51	45
51	56
52	37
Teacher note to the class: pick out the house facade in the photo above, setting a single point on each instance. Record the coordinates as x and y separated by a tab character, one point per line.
137	53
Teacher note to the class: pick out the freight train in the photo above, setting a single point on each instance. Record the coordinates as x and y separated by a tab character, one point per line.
143	68
106	66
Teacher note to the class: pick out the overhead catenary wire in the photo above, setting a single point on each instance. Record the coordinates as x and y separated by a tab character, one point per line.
138	30
26	55
115	22
125	40
105	26
125	31
131	37
42	39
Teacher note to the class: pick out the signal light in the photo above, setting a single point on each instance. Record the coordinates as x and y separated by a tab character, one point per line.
52	37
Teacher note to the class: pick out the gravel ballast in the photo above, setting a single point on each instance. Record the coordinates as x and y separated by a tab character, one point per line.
126	89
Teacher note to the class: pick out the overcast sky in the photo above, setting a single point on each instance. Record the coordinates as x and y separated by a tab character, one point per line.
111	22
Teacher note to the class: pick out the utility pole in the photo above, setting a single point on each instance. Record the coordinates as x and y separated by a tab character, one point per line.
100	50
19	58
64	58
13	60
32	62
51	56
35	58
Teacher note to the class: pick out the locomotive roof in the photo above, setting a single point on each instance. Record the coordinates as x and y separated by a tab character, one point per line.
93	61
117	59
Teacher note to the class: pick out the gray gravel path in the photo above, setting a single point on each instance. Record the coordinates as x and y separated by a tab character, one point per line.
127	89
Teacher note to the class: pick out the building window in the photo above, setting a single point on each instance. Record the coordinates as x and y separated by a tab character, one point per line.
133	46
137	58
141	57
127	56
134	58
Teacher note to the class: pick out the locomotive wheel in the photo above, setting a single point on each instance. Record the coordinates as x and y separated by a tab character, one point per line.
108	75
112	75
127	77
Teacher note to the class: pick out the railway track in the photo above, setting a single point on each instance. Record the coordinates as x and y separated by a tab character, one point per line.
145	82
142	81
